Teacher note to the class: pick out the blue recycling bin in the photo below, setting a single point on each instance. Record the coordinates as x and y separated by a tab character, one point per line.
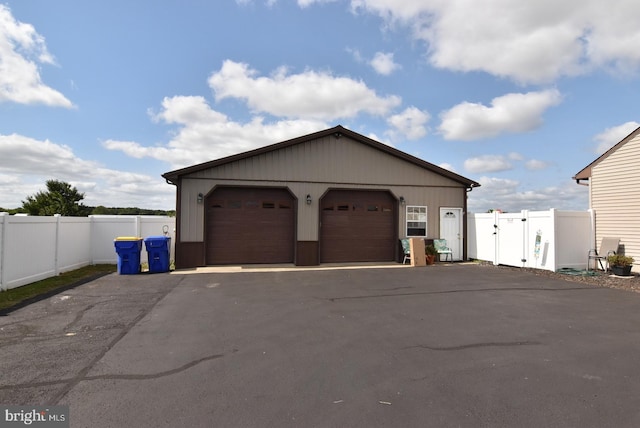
128	249
158	248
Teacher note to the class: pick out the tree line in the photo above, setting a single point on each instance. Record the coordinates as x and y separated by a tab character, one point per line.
64	199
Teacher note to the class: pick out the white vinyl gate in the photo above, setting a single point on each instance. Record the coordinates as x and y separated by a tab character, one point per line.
548	240
511	243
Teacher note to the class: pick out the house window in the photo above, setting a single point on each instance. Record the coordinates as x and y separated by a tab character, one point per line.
416	221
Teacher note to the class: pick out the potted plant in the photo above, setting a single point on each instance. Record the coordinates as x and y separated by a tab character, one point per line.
620	264
431	253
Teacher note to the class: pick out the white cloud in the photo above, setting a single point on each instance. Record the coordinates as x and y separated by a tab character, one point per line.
447	166
204	134
306	99
497	163
487	163
26	164
308	95
21	49
306	3
357	56
410	123
529	42
508	113
536	165
612	136
268	3
384	64
507	195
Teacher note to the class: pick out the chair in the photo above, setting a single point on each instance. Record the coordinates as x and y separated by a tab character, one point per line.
406	249
441	248
608	246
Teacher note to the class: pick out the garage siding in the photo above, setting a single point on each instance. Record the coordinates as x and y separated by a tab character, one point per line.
310	166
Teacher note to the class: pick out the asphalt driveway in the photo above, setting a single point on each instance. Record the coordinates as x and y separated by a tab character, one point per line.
441	346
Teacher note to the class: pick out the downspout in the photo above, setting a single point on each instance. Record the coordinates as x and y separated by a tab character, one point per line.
464	223
592	214
176	244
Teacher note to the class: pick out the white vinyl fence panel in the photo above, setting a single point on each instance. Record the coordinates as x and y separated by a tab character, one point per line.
104	229
548	240
35	248
74	242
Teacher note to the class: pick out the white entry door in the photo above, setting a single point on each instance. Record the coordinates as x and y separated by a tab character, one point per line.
451	230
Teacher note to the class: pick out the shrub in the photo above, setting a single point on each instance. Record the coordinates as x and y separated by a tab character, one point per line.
620	260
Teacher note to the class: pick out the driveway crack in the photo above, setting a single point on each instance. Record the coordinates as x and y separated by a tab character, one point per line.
474	345
154	375
115	376
472	290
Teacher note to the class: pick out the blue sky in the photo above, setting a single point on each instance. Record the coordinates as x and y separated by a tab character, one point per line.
518	96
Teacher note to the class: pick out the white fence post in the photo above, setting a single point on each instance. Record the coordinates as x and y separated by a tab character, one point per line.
92	234
525	237
3	235
56	267
496	234
556	237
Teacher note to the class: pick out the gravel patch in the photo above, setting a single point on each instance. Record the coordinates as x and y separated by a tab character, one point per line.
600	279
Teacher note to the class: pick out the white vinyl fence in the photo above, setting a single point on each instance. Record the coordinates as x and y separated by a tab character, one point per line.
548	240
35	248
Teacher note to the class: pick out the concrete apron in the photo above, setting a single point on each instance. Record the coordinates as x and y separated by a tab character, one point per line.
293	268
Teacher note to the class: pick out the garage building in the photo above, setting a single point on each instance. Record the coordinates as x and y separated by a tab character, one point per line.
333	196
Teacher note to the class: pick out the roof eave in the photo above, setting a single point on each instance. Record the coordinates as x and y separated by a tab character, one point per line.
585	173
173	176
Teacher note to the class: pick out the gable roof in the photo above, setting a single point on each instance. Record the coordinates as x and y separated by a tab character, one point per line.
585	173
173	176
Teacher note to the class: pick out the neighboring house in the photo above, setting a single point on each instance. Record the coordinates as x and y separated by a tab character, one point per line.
329	197
613	196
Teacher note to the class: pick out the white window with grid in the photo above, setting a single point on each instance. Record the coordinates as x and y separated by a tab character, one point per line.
416	221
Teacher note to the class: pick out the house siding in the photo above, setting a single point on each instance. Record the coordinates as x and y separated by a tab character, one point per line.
614	196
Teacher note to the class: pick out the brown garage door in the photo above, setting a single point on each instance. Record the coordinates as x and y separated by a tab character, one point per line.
250	225
357	226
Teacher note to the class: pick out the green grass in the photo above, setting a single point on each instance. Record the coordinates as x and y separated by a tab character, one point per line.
16	296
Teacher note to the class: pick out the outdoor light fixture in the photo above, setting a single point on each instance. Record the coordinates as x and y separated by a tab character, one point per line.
402	201
308	199
200	198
